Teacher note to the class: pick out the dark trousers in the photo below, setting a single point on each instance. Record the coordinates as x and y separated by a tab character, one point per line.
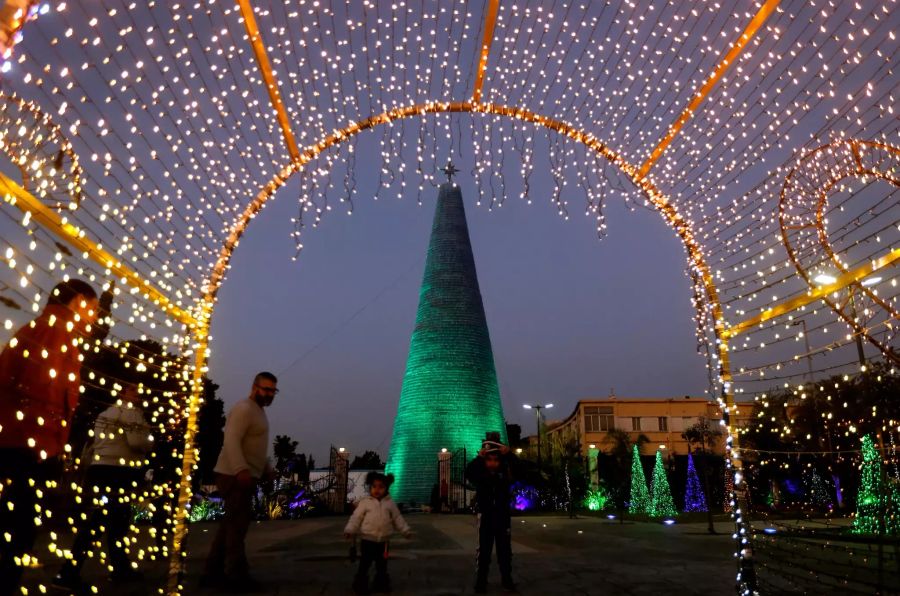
227	556
372	552
113	515
494	530
17	466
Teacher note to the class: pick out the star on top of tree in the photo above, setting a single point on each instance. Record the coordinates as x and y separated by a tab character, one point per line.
449	170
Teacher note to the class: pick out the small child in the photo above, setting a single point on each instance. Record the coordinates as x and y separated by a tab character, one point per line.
374	520
491	473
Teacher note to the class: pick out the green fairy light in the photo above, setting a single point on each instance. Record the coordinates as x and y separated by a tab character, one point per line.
595	500
640	496
878	500
661	504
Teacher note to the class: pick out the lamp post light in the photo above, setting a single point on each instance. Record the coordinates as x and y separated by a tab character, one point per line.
537	415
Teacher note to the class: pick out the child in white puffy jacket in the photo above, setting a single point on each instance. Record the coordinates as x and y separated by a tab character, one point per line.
376	517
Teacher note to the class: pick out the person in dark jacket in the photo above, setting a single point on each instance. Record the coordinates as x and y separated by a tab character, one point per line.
40	378
491	473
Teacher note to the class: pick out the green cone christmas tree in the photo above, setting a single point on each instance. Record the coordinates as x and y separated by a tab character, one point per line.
661	504
450	397
878	499
640	496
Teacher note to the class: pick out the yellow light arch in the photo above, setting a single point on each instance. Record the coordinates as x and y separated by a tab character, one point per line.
205	307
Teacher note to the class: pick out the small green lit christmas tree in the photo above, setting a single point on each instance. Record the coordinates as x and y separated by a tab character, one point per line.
640	496
661	505
878	500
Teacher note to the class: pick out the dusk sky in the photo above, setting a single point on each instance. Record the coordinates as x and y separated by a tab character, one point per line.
570	316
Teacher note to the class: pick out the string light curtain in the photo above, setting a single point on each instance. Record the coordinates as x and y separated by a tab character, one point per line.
146	133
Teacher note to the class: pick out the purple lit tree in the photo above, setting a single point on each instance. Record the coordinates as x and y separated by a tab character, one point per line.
694	499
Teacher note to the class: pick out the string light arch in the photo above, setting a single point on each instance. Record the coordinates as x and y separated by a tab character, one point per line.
165	104
660	202
802	217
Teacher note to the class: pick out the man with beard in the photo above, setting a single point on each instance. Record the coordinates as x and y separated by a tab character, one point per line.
241	464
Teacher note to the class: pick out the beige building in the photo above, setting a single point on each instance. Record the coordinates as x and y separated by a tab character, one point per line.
661	420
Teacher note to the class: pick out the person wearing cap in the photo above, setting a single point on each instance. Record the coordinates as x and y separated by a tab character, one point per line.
491	474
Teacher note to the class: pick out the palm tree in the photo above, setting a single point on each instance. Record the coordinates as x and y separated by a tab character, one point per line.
285	450
571	456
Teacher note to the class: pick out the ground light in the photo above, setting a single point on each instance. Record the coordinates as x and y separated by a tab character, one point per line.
669	522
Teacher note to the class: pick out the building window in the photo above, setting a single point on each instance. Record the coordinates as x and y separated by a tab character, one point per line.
598	419
635	423
663	423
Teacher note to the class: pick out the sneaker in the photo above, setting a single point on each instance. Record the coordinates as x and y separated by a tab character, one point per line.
481	586
125	575
509	585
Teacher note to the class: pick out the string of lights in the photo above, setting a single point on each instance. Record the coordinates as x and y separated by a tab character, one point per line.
147	127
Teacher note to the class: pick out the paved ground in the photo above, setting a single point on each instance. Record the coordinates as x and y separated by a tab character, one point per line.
552	555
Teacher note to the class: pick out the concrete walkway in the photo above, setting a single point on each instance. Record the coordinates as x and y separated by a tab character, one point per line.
552	555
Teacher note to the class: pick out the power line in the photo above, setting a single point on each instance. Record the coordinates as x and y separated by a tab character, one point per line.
351	318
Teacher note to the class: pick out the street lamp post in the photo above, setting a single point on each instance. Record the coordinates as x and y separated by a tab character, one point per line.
537	415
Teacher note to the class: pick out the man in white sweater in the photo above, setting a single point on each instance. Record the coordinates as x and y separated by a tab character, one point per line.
241	464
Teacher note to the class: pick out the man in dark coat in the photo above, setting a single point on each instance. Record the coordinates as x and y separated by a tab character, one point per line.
491	474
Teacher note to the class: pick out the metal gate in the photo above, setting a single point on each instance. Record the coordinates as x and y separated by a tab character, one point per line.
339	468
453	493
